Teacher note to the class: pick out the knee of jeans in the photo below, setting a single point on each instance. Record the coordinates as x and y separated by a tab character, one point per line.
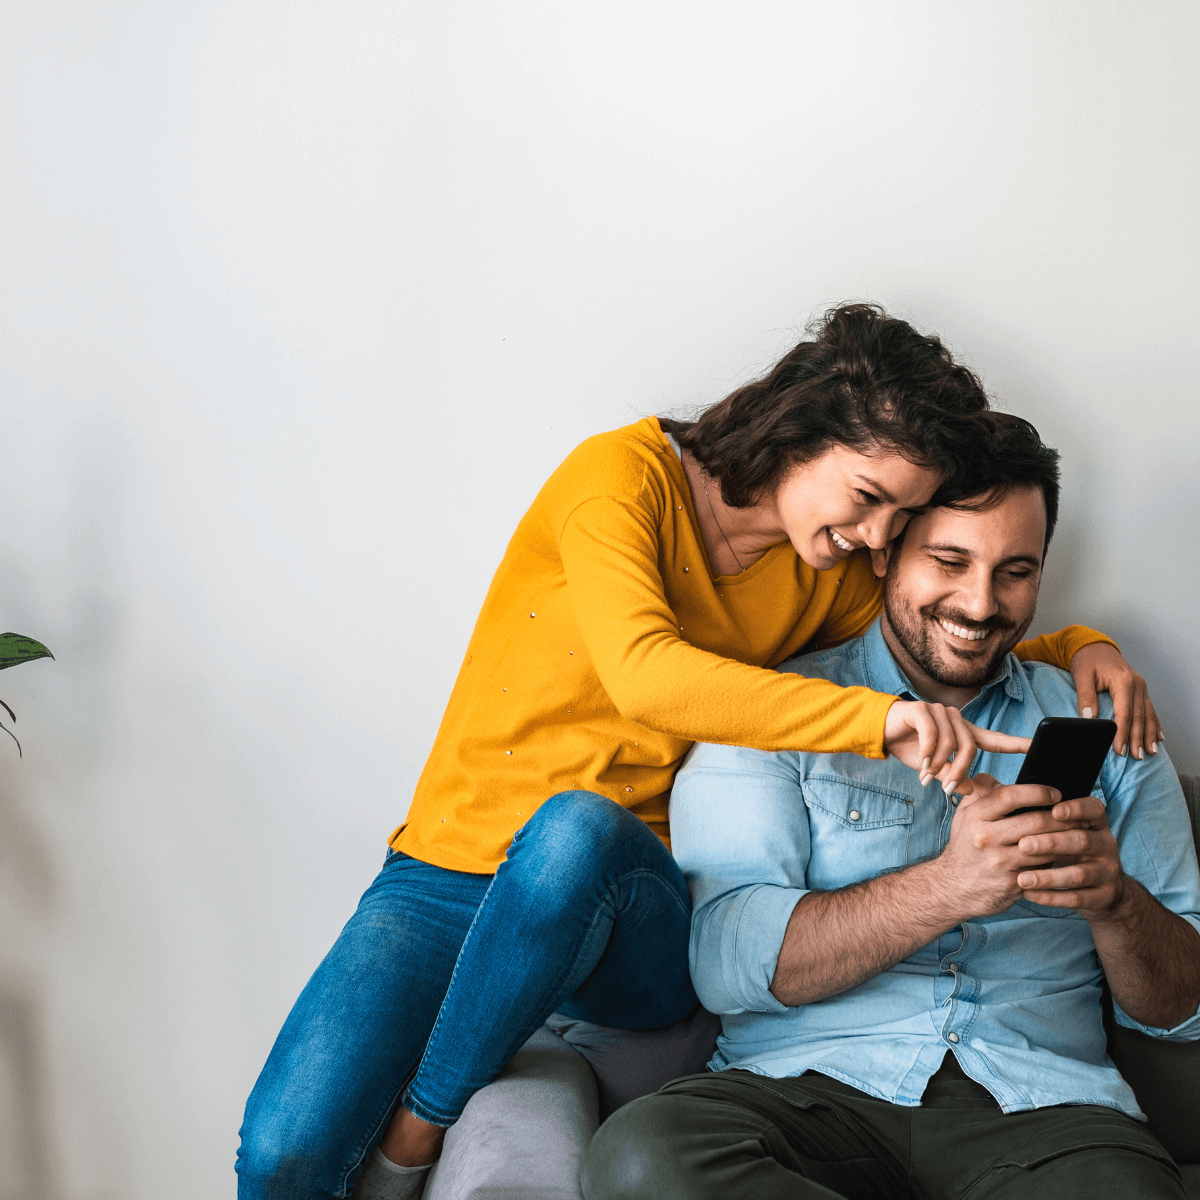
273	1161
575	827
630	1157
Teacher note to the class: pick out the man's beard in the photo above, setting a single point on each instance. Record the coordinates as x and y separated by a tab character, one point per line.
958	667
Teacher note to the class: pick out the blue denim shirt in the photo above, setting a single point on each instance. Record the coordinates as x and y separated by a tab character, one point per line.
755	830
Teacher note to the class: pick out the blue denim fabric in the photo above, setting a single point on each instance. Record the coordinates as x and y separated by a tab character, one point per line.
1015	996
440	976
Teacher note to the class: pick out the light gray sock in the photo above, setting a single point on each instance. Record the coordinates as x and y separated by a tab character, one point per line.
382	1179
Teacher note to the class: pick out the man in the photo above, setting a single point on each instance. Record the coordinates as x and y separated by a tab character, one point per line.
910	984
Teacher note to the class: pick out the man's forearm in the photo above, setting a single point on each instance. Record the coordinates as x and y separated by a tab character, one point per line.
837	940
1151	958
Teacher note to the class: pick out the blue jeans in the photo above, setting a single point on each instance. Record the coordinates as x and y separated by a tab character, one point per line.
440	976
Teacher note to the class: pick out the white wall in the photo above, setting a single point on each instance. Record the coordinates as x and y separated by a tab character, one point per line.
301	303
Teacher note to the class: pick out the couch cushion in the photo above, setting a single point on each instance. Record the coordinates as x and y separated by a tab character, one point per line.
1165	1077
522	1136
1191	1181
633	1063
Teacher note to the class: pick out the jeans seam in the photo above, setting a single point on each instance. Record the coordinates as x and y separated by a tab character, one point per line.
407	1089
362	1152
390	1107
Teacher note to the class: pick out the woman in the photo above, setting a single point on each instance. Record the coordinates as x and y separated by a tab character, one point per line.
659	575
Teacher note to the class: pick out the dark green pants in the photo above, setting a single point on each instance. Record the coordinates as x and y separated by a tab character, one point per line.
741	1136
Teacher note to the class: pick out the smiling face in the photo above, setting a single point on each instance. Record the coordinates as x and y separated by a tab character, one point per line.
844	500
961	590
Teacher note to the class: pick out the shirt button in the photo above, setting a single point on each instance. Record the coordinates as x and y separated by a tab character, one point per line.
952	966
953	1037
954	800
855	815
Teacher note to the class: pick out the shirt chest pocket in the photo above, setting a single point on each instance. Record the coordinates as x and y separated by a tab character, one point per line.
857	830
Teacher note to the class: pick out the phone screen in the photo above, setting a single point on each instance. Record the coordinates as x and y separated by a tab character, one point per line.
1067	753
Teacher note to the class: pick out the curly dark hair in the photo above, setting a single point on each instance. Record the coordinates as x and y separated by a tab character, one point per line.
1008	453
861	379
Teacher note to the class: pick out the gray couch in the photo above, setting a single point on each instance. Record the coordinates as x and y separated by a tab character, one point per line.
521	1138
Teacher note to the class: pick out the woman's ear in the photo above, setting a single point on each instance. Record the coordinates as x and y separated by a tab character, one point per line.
880	560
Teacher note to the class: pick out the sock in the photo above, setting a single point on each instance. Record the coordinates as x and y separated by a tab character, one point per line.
382	1179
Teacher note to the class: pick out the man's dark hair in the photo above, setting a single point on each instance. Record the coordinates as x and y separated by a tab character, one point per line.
860	379
1007	453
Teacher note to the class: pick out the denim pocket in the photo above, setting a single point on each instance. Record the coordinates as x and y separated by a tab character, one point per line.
857	830
856	806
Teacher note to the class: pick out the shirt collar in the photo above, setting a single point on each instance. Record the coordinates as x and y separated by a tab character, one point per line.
883	673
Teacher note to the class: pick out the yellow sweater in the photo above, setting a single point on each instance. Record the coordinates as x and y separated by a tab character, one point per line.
606	647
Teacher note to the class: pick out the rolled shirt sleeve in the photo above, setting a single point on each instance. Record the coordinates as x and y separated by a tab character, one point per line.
740	834
1149	818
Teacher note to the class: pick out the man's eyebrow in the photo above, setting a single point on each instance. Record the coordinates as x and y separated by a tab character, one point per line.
947	548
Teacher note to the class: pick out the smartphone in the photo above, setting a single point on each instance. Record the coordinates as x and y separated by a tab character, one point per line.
1067	753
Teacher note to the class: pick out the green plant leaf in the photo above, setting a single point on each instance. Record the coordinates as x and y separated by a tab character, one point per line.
16	648
20	752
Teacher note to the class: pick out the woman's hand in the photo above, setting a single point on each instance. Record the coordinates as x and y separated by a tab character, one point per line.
1101	668
935	740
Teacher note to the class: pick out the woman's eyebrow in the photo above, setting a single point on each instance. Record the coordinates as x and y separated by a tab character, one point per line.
884	494
887	496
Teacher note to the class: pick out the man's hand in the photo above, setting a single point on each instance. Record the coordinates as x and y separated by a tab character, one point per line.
1085	872
990	850
1150	955
935	740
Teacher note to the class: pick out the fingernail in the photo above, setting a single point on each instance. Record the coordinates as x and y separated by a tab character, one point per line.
1087	712
1138	754
925	763
1122	751
1024	880
1153	748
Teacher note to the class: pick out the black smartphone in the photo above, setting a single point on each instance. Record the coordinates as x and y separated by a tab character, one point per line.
1067	753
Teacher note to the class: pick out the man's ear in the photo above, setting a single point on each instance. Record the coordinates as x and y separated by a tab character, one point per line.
880	560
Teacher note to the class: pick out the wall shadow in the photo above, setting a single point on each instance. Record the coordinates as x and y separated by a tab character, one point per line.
26	1166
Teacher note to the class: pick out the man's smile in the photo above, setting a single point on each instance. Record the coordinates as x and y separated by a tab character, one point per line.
959	631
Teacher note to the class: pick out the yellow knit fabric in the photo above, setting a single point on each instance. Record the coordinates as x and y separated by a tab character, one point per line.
606	647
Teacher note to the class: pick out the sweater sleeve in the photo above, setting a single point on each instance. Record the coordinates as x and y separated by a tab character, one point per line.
609	550
1059	648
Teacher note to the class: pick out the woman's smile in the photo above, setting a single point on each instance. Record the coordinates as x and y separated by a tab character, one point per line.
846	499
